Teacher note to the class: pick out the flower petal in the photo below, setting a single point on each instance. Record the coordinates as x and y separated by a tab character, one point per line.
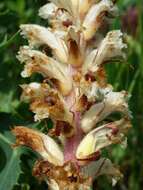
38	35
52	184
101	137
94	91
103	166
111	47
63	4
89	61
49	67
39	142
84	6
48	11
94	17
112	102
60	19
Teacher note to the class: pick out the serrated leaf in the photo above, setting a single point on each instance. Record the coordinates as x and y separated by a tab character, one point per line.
10	167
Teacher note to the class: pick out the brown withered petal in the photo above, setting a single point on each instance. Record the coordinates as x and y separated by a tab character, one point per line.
82	103
46	102
66	176
75	58
64	128
40	143
101	76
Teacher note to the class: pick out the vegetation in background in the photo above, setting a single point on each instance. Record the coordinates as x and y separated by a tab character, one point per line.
15	165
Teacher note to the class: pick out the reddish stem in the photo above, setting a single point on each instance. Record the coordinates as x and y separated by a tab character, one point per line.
73	142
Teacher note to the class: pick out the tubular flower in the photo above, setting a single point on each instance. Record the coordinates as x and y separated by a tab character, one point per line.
74	93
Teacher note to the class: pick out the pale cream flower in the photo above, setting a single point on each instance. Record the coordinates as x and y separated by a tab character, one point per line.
38	35
37	61
101	137
111	47
108	103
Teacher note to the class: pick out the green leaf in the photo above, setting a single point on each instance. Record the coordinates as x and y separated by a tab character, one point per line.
7	103
9	164
4	12
6	42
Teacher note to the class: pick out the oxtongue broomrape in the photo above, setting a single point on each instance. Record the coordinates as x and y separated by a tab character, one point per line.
74	94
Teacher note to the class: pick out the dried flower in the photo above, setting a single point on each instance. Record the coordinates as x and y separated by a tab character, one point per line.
74	94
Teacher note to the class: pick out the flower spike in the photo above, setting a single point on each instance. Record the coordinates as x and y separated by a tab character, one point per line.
70	55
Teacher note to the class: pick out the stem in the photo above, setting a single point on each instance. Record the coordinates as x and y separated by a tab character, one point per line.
72	143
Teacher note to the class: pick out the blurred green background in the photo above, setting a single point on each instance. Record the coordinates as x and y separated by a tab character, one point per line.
15	166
